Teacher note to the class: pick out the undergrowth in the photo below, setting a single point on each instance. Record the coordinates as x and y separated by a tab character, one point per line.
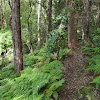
94	59
41	78
33	84
94	63
7	72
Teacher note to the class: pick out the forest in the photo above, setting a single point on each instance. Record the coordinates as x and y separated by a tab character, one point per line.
49	49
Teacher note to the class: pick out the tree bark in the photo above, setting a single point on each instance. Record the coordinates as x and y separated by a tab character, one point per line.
29	28
2	18
39	18
98	18
49	19
75	37
72	26
50	15
16	36
88	18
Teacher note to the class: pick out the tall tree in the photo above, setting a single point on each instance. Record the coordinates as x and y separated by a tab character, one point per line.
88	12
98	18
49	18
49	15
2	18
16	35
72	29
1	15
39	18
29	27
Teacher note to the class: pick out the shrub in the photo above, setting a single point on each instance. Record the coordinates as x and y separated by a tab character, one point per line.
56	41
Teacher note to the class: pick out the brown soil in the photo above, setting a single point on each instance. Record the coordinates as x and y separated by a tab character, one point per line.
74	75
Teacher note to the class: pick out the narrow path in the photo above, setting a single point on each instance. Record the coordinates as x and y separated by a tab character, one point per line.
75	78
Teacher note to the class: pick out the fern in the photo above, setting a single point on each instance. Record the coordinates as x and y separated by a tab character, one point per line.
63	52
29	60
54	69
41	78
5	89
96	80
8	72
94	63
34	84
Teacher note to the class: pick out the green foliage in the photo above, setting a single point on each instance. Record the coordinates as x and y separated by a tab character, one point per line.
45	55
31	31
97	81
35	61
29	60
78	5
7	72
63	52
86	93
56	41
54	68
6	91
4	62
59	4
33	84
94	64
5	40
96	37
59	20
94	61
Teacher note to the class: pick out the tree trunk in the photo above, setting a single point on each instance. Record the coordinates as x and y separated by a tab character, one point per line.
29	28
70	24
88	6
2	18
39	18
49	18
72	27
98	18
16	36
49	15
75	37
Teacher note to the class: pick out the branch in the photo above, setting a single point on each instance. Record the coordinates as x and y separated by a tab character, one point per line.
9	4
30	9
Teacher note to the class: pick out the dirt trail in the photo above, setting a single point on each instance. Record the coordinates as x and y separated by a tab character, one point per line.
75	77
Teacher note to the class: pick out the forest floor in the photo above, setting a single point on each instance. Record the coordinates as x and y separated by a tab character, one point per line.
74	75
